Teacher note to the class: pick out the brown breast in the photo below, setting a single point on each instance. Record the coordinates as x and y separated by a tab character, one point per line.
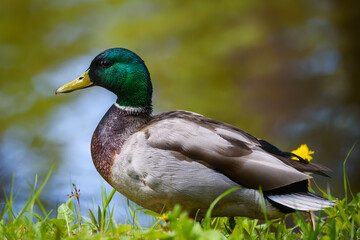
110	135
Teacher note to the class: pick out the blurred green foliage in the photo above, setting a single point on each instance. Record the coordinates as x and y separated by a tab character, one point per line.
283	71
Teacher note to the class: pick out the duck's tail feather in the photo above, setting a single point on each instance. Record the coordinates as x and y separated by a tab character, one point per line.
301	201
301	164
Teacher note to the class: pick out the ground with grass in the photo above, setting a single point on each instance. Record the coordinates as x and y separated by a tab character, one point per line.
340	222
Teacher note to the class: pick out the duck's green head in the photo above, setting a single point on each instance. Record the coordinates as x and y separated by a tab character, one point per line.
120	71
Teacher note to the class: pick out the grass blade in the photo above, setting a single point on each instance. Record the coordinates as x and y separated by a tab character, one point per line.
207	222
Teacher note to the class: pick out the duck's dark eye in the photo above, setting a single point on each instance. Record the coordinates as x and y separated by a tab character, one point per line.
106	63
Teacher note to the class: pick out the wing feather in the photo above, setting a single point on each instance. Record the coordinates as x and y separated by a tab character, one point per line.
221	147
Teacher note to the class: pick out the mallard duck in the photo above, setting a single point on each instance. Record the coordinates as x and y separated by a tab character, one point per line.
181	157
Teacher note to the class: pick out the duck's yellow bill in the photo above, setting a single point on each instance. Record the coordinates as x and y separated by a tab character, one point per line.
83	81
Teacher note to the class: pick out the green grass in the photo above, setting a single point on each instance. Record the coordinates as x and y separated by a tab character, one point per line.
339	222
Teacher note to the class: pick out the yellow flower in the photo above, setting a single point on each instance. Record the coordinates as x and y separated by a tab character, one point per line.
304	152
164	216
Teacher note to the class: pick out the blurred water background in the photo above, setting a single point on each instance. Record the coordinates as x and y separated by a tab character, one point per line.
284	71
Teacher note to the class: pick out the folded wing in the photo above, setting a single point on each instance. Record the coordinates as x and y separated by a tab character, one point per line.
224	148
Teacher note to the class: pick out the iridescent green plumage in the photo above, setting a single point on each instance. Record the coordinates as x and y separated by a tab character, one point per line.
125	74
